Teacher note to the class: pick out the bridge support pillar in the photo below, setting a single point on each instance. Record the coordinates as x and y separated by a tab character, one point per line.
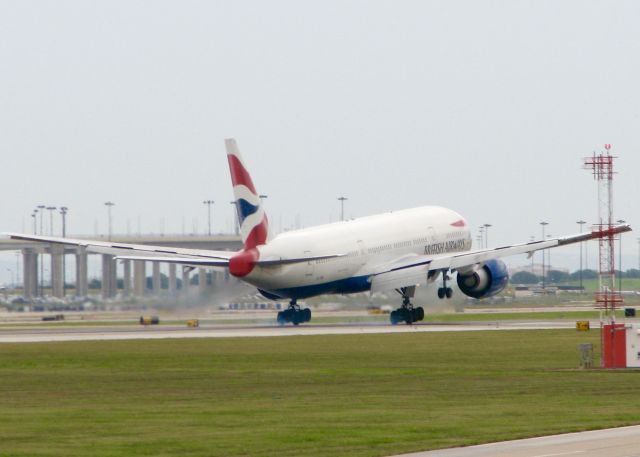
109	277
139	277
173	283
57	265
156	280
202	280
30	272
126	280
82	281
185	279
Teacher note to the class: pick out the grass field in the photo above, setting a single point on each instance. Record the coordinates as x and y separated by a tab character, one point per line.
353	395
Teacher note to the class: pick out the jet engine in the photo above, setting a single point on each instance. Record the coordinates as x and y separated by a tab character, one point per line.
485	281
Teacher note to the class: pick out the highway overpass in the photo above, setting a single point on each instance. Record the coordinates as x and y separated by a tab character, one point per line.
133	273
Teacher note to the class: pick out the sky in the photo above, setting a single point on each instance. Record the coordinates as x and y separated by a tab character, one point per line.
485	107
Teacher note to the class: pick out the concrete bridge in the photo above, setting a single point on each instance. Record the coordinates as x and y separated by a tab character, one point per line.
134	279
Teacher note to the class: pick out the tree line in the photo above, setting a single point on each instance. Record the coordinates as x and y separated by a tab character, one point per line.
557	276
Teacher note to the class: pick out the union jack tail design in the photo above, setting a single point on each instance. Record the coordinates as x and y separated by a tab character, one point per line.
254	226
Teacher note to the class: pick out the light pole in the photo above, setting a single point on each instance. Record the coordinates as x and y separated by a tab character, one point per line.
580	223
548	256
262	197
41	210
486	235
342	200
532	239
209	203
109	205
481	235
51	209
63	211
543	224
35	226
620	221
236	218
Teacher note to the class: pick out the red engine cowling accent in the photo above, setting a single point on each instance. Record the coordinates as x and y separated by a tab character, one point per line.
243	262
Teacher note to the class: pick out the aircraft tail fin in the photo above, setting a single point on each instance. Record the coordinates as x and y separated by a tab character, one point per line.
254	225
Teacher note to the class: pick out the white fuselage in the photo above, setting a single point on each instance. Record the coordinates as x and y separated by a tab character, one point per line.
364	244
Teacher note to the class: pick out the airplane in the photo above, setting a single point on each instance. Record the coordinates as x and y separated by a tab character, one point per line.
397	250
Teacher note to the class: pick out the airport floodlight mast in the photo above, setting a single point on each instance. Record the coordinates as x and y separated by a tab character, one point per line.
63	212
543	224
209	203
601	166
236	217
109	205
486	234
581	224
51	209
34	215
342	200
41	209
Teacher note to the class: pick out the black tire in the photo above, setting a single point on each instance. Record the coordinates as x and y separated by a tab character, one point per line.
393	317
407	316
441	293
280	318
418	314
306	314
449	292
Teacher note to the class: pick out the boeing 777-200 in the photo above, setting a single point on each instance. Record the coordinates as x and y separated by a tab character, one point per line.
398	250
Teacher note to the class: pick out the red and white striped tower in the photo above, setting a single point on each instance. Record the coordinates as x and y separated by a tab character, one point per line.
607	298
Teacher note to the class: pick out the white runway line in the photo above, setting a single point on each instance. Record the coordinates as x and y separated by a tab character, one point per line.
22	335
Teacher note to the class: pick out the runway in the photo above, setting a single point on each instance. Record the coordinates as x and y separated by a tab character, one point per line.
12	334
613	442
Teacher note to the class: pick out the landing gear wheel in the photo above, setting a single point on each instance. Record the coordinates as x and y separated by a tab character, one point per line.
448	292
441	292
294	314
406	313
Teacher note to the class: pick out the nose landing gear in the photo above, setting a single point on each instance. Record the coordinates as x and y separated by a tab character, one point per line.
406	313
294	314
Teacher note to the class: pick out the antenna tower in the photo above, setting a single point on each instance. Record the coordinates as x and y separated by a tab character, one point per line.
607	298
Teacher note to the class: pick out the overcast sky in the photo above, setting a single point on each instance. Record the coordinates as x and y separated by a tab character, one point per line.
483	107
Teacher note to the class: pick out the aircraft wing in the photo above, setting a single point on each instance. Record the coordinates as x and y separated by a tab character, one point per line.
115	248
412	271
150	253
213	262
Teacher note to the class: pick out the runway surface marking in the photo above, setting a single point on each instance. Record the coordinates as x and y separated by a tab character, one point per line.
33	334
612	442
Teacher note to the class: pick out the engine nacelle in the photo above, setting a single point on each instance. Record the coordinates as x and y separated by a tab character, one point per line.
485	282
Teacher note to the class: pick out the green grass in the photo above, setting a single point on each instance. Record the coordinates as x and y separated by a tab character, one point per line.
352	395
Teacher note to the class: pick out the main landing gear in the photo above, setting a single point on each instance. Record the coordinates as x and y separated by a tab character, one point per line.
445	291
294	314
407	313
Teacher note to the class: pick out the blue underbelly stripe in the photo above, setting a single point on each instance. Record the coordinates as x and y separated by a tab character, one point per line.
341	286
